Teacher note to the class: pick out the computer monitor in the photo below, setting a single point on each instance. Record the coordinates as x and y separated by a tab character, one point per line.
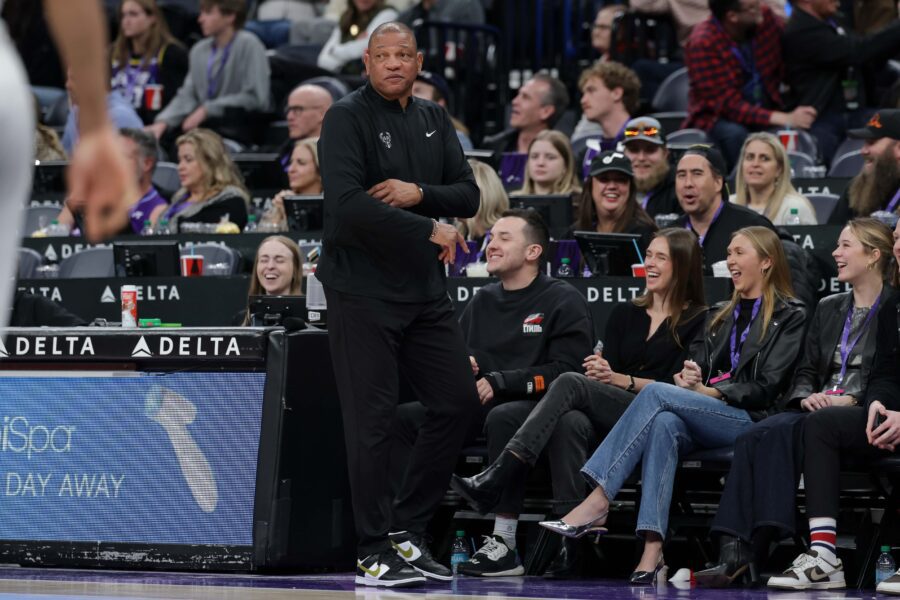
609	253
262	172
49	181
304	213
269	311
556	211
146	259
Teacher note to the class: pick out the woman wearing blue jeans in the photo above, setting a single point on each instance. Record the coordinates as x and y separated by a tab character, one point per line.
734	376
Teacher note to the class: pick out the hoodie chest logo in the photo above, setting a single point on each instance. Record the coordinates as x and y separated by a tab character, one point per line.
533	323
385	137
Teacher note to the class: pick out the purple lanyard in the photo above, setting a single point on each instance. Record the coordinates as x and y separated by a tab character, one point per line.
646	199
735	346
484	245
213	82
688	225
893	203
846	348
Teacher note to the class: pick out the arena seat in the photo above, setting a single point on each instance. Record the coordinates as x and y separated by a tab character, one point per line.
29	261
687	137
673	92
90	262
799	161
824	205
39	216
848	145
847	165
165	179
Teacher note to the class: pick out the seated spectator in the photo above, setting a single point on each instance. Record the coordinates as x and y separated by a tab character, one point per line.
277	271
211	187
433	87
444	11
148	64
735	69
831	69
121	114
33	310
646	341
47	145
344	49
494	202
609	95
513	365
608	202
304	179
713	400
865	433
877	187
764	182
654	178
601	29
688	13
701	190
551	167
228	70
306	108
538	105
757	505
293	10
141	148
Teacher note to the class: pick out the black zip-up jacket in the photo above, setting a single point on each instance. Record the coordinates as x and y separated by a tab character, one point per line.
718	236
884	385
765	367
814	368
370	248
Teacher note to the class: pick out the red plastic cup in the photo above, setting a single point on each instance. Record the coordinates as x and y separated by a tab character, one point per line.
192	266
788	139
638	270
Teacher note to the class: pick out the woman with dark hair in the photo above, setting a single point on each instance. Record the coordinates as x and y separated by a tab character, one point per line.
343	51
647	341
148	63
757	505
734	374
608	201
277	271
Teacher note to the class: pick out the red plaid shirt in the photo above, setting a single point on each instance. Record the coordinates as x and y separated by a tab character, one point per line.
717	77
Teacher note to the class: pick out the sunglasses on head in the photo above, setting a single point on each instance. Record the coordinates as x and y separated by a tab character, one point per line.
636	131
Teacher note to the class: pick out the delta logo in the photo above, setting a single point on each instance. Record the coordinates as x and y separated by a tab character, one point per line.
533	323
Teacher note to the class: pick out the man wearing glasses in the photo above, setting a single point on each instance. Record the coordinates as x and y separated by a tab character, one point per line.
305	110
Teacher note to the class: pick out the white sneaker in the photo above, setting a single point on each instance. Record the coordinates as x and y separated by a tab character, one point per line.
891	585
810	572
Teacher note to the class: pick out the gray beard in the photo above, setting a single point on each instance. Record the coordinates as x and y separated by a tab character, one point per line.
651	181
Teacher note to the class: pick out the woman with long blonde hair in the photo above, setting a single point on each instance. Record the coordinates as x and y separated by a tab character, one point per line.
494	202
148	64
764	185
733	375
211	186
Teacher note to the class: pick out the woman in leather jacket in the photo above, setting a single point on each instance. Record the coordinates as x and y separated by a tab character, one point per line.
734	375
757	504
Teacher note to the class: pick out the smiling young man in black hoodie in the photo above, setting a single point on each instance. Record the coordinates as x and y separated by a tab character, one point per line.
391	165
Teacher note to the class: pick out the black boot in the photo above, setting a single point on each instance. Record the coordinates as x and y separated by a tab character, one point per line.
567	564
483	491
735	561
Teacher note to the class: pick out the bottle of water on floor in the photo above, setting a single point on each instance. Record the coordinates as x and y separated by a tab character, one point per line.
459	552
884	566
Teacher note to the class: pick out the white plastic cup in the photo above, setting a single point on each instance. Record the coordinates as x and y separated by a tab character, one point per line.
315	293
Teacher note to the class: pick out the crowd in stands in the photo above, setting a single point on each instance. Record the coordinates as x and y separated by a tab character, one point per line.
674	375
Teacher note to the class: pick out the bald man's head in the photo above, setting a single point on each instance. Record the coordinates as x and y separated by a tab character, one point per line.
305	110
395	27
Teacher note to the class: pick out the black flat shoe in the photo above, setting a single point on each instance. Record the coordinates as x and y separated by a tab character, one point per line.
483	491
735	562
650	577
567	564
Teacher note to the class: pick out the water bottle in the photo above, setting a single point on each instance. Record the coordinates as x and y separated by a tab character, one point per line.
251	226
147	229
163	227
459	551
793	217
565	268
884	566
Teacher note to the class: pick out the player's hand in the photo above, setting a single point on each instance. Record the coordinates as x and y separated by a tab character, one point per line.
816	401
195	119
447	237
485	391
101	184
394	192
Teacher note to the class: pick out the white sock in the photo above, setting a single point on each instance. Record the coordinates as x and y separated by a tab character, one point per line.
823	537
505	527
